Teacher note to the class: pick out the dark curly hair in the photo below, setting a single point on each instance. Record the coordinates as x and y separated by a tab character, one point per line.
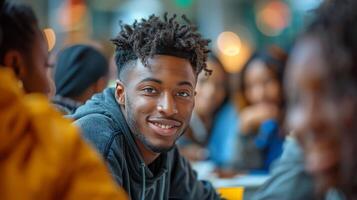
335	28
142	40
18	28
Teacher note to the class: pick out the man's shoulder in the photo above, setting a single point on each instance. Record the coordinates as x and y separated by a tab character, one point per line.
99	130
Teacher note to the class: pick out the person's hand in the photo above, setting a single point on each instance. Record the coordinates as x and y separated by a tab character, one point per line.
227	173
252	116
194	152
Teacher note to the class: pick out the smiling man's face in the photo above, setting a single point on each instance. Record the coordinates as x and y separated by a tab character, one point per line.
157	101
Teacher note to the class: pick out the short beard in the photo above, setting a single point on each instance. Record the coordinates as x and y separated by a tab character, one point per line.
139	136
150	146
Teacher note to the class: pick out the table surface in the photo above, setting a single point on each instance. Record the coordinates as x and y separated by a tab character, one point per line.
246	181
205	172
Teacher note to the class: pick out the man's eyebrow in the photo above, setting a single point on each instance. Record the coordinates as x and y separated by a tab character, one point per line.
185	83
151	79
160	82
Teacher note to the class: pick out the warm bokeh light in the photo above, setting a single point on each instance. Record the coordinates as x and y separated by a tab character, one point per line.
273	17
229	43
233	51
234	64
50	37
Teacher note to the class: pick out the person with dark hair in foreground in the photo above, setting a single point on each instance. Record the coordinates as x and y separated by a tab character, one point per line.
322	110
80	72
42	155
136	124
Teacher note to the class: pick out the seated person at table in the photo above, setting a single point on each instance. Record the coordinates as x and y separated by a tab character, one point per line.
222	145
322	97
260	135
80	72
211	93
136	124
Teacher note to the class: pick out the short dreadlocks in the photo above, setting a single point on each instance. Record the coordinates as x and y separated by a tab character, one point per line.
142	40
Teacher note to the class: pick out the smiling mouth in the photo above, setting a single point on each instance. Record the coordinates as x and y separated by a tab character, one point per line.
164	127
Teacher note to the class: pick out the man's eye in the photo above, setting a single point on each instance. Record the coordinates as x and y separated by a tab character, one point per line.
183	94
150	90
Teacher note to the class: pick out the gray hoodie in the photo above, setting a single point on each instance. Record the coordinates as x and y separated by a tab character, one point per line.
103	124
289	180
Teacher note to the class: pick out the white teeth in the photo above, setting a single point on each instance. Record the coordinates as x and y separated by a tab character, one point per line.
163	125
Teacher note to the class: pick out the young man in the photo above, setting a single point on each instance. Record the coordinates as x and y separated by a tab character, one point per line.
136	124
321	85
41	154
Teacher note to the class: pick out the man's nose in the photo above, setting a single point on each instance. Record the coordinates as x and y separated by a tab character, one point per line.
167	104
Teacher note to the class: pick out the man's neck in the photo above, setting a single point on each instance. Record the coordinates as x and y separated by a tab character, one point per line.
147	155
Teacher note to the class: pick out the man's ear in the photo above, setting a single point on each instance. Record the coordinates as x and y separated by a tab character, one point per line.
15	60
120	93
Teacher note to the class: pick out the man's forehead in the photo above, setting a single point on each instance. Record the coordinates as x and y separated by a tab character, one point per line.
161	70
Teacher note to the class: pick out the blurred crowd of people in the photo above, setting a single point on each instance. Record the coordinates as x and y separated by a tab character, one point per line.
290	113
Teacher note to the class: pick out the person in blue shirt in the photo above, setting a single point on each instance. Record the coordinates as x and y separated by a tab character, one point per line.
211	94
222	143
260	136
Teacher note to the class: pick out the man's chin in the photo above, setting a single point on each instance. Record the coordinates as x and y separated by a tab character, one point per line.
158	149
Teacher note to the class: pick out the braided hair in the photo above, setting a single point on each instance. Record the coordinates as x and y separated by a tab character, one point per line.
142	40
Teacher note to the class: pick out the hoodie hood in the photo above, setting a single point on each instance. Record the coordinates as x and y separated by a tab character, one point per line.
105	104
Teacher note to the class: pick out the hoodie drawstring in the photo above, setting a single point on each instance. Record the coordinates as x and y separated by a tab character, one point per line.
144	181
163	185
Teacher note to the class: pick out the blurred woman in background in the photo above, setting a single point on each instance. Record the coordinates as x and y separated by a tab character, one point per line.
261	111
211	93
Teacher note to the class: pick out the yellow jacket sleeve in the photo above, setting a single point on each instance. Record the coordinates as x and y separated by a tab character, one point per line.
42	155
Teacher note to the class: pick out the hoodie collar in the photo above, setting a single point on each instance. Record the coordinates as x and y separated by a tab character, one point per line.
106	104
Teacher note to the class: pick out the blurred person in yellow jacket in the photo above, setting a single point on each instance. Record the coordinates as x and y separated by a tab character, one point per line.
41	154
